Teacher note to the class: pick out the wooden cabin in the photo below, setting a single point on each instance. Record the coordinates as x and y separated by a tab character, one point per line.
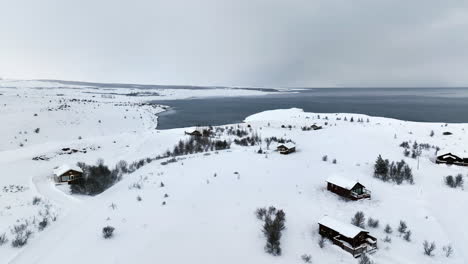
286	148
350	238
66	173
315	127
195	133
450	159
347	188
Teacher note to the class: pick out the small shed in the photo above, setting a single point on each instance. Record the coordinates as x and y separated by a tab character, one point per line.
66	173
286	148
450	158
350	238
315	127
347	188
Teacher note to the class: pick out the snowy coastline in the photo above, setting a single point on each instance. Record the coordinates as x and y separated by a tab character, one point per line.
208	216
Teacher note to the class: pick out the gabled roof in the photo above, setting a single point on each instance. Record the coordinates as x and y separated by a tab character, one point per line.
288	145
449	154
347	230
343	182
64	168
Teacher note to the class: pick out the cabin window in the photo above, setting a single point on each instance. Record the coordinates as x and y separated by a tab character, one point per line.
358	190
65	178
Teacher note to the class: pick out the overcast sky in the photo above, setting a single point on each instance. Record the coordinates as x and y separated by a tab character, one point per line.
270	43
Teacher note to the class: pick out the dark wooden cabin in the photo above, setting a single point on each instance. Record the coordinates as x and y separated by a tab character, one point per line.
350	189
450	159
195	133
68	174
315	127
350	238
286	148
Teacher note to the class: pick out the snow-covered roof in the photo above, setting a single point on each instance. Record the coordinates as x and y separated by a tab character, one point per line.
345	229
64	168
342	182
288	145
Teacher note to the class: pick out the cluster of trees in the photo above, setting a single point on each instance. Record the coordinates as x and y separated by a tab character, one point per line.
237	131
198	144
415	150
97	178
395	171
274	224
454	182
252	140
359	220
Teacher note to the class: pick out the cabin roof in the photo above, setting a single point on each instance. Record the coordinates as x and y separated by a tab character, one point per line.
343	182
344	229
448	154
59	171
288	145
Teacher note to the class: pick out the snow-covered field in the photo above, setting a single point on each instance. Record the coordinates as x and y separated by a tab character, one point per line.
208	215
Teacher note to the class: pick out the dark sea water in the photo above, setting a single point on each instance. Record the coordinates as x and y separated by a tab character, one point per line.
448	105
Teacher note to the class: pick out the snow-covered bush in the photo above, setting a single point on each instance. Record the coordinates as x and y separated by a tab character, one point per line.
358	219
428	248
21	234
364	259
325	158
108	232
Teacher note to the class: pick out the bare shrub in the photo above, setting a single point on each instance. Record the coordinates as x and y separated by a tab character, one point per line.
260	213
371	222
306	258
3	239
448	250
36	200
402	227
358	219
108	232
321	242
388	229
43	223
407	236
428	248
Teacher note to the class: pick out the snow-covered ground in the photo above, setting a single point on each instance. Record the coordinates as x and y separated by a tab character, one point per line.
208	216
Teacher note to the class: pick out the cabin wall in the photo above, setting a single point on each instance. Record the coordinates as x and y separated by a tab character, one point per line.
339	190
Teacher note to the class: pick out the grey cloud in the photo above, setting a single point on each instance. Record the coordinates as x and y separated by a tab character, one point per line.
239	42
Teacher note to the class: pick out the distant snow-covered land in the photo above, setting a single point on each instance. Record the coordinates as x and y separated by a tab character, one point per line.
200	208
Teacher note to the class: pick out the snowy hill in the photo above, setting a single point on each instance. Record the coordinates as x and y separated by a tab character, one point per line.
204	210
